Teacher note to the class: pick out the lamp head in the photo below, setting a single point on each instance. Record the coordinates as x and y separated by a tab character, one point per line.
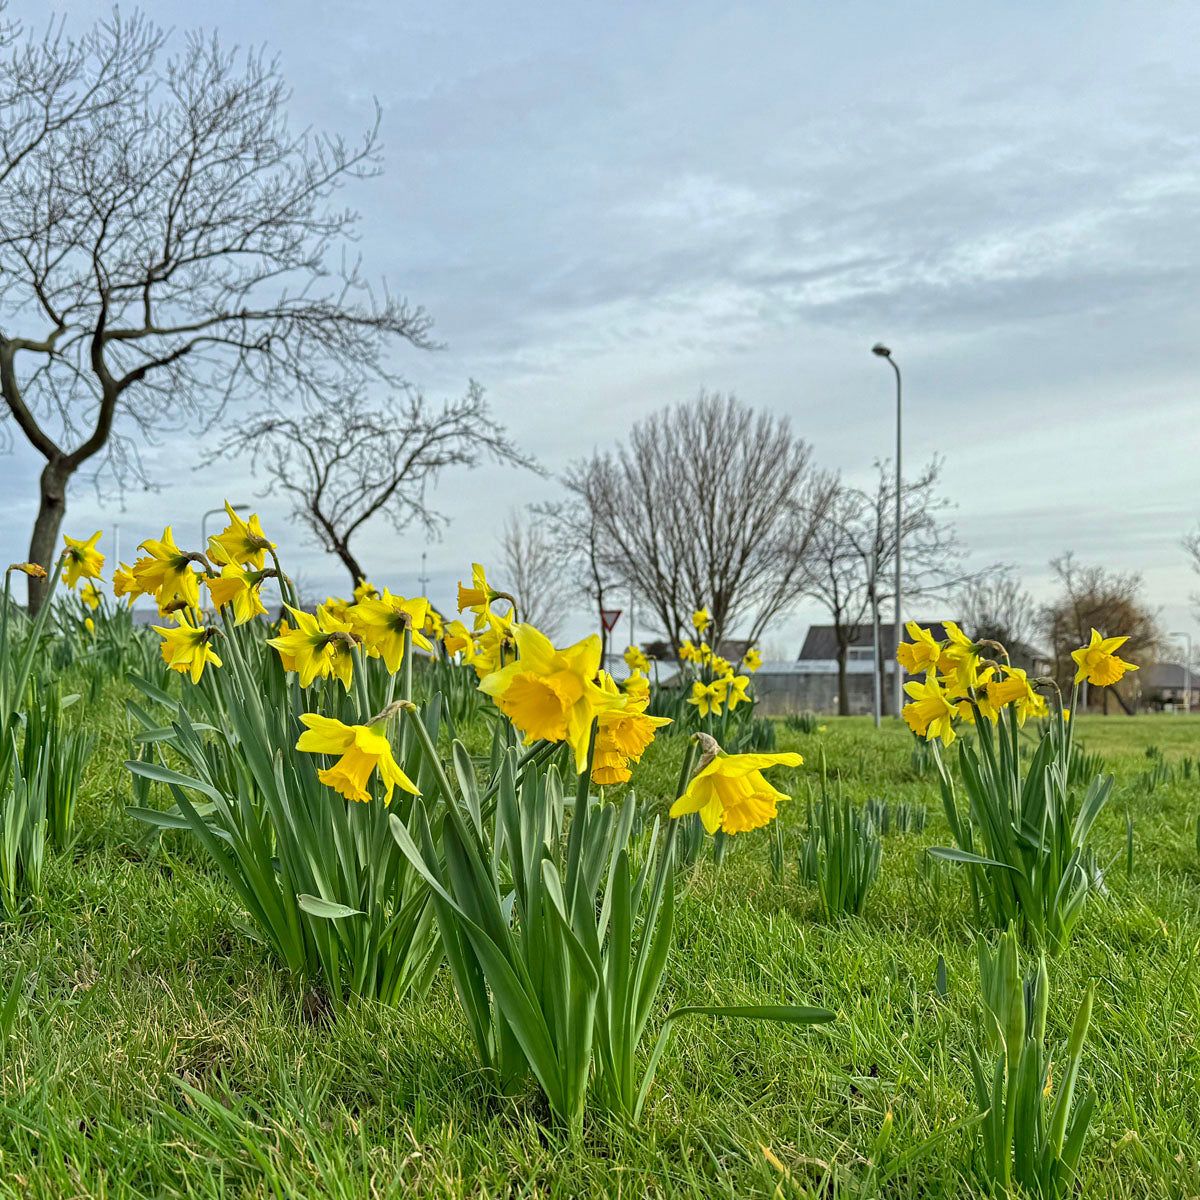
882	350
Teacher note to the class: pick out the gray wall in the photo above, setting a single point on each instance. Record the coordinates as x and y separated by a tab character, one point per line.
782	694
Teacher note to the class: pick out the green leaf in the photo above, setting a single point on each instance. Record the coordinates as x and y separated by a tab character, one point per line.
316	906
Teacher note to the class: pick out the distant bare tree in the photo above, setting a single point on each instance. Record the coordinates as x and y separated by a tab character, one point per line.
1191	546
346	462
535	572
995	605
859	534
167	246
1109	602
708	504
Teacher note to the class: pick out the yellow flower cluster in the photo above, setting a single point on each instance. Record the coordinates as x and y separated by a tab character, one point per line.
958	684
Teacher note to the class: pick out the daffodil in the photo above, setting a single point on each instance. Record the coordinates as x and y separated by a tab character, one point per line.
552	694
90	595
365	591
720	666
187	648
478	597
382	623
635	660
167	572
320	645
494	646
458	639
708	697
736	686
1097	662
238	588
622	735
752	660
923	652
1015	689
33	570
701	620
83	560
434	624
362	749
637	688
931	714
730	792
124	584
241	543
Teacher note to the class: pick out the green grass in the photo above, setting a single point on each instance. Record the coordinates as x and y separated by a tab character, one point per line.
158	1050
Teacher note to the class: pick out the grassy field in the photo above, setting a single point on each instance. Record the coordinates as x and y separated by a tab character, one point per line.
156	1049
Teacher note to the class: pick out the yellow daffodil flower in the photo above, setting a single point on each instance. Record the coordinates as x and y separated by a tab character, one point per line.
1015	689
550	693
635	660
731	794
708	697
622	736
167	572
923	652
752	660
931	714
494	646
124	584
1098	663
720	666
736	690
381	623
637	688
365	591
187	648
240	543
458	639
90	595
238	588
319	645
478	597
434	624
688	652
83	560
363	749
701	620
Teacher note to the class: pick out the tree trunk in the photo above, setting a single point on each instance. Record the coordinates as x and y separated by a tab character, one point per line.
843	691
357	574
52	507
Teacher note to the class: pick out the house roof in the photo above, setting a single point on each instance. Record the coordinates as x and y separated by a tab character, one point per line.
821	642
1169	675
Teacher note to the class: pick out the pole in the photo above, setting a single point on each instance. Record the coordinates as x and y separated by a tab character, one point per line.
423	582
877	655
632	639
882	351
1187	672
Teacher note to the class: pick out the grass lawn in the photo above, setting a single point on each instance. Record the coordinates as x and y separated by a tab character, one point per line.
158	1050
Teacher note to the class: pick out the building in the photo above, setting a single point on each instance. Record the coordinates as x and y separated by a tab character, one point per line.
1170	687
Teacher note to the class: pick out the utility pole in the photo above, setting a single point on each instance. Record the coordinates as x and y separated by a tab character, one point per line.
423	581
882	351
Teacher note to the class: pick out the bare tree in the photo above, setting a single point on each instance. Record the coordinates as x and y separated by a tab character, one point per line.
857	539
1191	546
708	504
167	245
346	462
1109	602
535	572
996	605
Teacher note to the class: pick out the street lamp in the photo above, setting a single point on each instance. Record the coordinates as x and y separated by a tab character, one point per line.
212	512
1187	672
882	351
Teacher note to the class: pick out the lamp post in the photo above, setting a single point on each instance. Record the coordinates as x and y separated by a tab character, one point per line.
212	512
882	351
1187	672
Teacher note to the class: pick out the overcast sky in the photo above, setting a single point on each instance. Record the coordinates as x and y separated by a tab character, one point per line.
607	207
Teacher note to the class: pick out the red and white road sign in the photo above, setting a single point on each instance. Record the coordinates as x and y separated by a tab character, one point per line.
609	618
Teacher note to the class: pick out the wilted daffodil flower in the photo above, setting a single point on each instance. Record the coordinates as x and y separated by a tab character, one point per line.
241	543
552	694
363	749
1097	662
382	622
33	570
167	572
187	648
931	714
730	792
83	560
